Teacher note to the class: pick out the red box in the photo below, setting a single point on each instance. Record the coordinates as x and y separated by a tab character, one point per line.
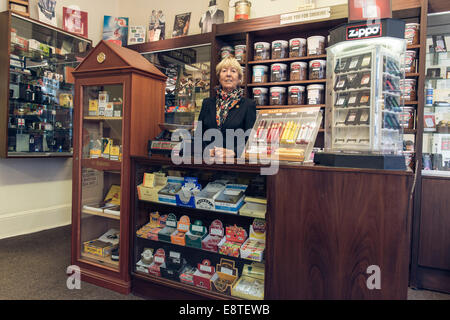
203	274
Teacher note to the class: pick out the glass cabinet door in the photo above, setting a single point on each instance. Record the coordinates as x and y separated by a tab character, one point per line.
41	88
188	72
101	168
436	134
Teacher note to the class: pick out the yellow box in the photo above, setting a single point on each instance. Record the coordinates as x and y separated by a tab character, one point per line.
93	107
114	152
225	277
148	194
66	100
98	248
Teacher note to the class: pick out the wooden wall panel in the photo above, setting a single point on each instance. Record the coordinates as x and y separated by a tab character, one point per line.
434	246
326	228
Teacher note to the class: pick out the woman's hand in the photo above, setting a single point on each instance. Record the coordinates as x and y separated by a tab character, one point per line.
221	153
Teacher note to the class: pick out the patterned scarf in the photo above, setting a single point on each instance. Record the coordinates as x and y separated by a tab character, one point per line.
225	101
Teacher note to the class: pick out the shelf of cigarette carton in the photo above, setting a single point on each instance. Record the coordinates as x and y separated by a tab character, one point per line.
104	261
161	206
292	59
191	249
101	214
285	83
407	102
292	106
183	286
100	118
102	164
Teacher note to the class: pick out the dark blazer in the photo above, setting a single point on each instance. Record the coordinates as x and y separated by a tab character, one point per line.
241	116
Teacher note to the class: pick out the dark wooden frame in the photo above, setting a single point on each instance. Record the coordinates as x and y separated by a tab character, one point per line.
5	41
143	93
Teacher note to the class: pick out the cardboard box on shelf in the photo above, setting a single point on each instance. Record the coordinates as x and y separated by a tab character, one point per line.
179	236
231	198
168	192
197	232
171	227
216	234
251	284
225	277
205	199
254	207
174	265
234	238
185	197
158	262
253	248
149	191
202	276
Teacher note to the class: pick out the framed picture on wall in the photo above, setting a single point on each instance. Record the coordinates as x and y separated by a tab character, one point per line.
156	26
75	21
115	29
181	25
136	34
46	11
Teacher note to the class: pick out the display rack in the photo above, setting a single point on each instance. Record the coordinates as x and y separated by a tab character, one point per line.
37	92
117	99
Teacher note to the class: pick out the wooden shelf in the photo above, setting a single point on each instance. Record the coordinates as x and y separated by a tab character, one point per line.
106	261
101	214
183	286
286	83
101	118
292	106
292	59
409	131
411	102
206	252
413	46
102	164
412	75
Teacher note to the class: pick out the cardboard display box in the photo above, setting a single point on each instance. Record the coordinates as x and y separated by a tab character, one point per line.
174	265
202	276
158	263
225	277
234	238
152	184
187	275
254	207
253	247
171	227
216	234
168	193
231	198
197	232
179	236
205	199
251	284
189	189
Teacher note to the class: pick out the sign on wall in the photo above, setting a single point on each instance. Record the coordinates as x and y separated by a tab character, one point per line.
369	9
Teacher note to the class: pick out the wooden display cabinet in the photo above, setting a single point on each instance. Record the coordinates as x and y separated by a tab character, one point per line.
118	99
36	86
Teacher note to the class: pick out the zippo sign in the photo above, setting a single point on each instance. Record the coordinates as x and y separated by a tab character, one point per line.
364	31
359	10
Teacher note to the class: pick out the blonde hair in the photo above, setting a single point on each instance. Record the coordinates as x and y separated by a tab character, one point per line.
227	63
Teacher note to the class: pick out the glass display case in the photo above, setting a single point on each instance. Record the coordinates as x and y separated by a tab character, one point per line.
284	134
436	132
39	103
364	96
188	81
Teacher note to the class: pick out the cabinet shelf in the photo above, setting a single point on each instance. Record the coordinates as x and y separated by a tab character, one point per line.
101	118
183	286
102	164
101	214
286	83
292	59
195	250
292	106
104	261
190	211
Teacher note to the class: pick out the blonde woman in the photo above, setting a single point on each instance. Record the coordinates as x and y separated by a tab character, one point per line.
228	110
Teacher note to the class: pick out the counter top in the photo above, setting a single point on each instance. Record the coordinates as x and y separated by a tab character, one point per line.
245	166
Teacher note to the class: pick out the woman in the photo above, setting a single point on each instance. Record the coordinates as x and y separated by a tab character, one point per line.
228	110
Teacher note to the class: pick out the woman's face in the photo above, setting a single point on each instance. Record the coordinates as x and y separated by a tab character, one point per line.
229	78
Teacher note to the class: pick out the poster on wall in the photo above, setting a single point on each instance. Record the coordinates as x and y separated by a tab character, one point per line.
115	29
75	21
210	17
181	25
46	11
156	26
136	34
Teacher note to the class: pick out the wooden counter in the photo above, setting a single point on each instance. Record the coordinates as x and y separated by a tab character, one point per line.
326	226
